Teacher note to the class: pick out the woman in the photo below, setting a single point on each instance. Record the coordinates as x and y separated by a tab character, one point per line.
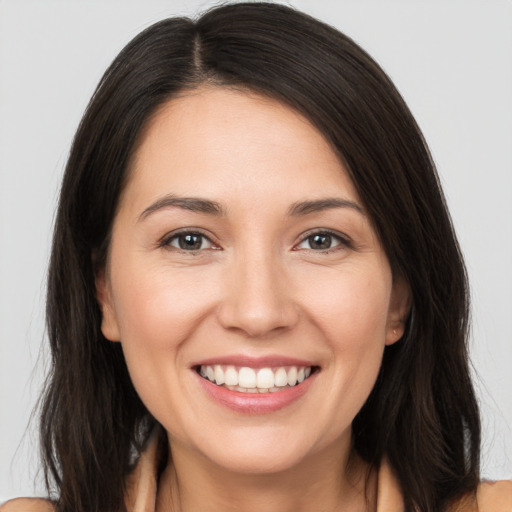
255	283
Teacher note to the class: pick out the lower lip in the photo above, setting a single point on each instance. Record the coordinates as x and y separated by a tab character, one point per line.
256	403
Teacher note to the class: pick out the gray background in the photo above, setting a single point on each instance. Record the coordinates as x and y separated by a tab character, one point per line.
452	61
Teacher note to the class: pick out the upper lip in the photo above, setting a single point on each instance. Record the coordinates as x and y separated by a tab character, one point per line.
254	362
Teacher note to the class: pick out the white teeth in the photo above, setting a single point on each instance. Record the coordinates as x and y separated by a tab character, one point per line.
230	376
265	378
219	375
249	380
280	378
292	376
247	377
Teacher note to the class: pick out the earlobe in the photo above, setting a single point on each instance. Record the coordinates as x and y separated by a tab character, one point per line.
109	326
399	307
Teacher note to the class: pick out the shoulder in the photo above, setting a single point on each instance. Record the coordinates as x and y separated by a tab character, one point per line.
490	497
27	505
495	496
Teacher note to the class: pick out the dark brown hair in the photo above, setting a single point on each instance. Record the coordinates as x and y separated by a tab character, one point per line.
422	414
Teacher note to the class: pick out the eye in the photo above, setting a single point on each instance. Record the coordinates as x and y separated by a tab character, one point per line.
188	241
321	241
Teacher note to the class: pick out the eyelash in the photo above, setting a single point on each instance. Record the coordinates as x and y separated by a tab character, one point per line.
342	241
166	241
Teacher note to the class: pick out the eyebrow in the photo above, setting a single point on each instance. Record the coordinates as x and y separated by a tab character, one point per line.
307	207
199	205
193	204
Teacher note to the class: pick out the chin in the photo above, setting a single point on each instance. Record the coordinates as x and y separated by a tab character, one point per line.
258	462
260	451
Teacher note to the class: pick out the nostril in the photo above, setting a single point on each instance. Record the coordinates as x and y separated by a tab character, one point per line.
258	320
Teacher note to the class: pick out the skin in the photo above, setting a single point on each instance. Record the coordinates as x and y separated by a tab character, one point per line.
256	287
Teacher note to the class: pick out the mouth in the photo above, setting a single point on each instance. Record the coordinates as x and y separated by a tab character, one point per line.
245	379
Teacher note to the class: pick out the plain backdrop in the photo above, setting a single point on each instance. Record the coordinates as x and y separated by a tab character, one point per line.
452	61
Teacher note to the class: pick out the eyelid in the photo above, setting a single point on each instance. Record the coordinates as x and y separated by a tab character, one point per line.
165	241
344	241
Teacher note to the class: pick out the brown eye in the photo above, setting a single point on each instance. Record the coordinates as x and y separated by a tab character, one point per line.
321	241
189	242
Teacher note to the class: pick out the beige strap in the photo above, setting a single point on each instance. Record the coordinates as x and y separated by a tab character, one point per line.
389	495
142	481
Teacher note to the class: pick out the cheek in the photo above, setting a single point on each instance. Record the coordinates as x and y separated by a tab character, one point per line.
157	312
350	306
351	314
159	308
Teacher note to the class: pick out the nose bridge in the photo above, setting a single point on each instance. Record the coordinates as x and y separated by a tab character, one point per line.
258	300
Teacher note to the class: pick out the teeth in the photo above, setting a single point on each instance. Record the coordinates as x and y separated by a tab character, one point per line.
265	378
292	376
280	378
219	375
249	380
230	376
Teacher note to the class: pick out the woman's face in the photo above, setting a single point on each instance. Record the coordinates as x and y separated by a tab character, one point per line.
241	251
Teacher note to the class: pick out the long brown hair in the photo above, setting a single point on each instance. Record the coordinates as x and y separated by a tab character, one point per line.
422	413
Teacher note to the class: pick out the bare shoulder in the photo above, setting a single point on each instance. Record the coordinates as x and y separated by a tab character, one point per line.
495	496
27	505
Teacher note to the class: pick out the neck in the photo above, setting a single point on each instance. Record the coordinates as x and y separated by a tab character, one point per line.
330	480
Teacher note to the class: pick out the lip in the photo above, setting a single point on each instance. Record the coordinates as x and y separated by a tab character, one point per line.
254	362
255	403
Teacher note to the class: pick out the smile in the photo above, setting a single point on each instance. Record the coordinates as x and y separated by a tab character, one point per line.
255	380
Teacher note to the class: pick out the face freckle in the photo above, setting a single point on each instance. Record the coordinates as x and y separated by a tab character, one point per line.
240	241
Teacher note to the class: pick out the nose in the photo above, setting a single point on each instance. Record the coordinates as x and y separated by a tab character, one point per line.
258	300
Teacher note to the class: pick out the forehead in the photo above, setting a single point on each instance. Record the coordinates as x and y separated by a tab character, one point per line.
212	141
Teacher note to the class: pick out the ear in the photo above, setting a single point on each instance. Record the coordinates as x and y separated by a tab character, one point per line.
109	326
399	307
